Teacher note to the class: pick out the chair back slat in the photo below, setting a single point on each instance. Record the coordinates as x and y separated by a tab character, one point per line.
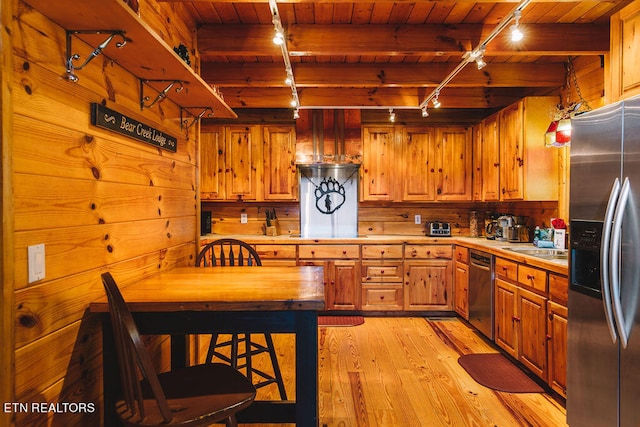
132	355
231	252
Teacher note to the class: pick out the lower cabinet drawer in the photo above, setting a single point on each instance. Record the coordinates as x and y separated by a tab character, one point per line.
381	298
376	272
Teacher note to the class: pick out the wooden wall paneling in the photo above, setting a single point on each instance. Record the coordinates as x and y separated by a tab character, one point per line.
41	65
106	202
60	352
53	202
95	246
86	381
44	308
7	356
50	150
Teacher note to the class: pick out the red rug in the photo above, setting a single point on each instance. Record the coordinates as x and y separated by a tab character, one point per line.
495	371
340	320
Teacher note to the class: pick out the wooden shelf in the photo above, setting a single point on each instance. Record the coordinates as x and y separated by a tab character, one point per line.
145	55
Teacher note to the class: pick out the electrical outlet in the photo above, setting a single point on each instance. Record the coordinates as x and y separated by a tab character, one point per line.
417	219
243	218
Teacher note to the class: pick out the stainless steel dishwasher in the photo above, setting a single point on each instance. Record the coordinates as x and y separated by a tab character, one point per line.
481	292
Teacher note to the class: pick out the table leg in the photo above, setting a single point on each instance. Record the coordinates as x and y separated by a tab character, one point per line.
110	372
306	369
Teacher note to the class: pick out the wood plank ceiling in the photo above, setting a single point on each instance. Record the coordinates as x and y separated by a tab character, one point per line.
384	54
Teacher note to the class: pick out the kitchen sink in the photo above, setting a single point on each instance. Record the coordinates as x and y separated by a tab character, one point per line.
551	254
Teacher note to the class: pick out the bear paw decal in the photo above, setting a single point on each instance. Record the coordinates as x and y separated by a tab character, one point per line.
330	196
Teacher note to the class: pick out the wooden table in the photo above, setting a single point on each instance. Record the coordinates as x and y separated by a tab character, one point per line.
194	300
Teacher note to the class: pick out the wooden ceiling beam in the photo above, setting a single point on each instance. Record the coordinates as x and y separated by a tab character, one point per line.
427	75
243	97
393	40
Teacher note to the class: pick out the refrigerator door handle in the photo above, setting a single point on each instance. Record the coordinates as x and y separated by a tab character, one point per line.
614	261
605	275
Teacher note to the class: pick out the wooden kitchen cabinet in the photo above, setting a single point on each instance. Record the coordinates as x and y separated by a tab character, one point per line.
381	278
438	163
506	335
520	321
243	157
212	163
420	175
428	274
490	151
280	177
461	282
624	80
282	255
379	168
528	169
454	151
341	272
557	347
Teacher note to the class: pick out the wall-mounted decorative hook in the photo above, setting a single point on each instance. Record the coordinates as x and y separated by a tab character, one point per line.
184	120
161	95
71	57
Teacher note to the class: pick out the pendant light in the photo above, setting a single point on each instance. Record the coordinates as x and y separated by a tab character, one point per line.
558	133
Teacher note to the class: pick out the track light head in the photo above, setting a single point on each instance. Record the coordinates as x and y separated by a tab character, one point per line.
425	113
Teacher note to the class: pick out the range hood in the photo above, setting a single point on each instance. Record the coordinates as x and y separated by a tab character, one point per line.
328	136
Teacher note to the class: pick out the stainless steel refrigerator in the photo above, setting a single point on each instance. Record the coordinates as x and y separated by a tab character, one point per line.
603	379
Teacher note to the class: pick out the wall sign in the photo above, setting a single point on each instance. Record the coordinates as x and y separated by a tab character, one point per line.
106	118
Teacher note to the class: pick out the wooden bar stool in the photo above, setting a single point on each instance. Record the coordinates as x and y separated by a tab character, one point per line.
233	252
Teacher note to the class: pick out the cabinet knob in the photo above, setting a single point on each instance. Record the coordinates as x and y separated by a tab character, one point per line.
381	271
344	252
548	337
381	252
529	277
313	252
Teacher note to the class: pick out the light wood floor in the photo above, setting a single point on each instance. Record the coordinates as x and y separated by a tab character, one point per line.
405	372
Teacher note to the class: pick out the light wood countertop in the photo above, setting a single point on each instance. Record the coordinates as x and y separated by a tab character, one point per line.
497	248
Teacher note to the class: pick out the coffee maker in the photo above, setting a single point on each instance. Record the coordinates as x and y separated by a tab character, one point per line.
519	232
504	227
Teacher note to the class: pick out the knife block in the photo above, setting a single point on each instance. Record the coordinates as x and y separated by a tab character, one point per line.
273	229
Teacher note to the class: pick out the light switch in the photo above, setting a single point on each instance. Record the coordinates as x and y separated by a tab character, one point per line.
36	262
243	218
417	219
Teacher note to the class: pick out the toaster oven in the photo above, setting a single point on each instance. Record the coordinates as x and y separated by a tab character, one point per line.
438	229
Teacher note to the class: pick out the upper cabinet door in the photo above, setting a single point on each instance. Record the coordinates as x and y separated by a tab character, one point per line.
379	168
624	80
242	160
454	172
490	153
512	155
279	148
420	164
212	164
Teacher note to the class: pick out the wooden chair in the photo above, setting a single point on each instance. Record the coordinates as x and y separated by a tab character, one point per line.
233	252
193	396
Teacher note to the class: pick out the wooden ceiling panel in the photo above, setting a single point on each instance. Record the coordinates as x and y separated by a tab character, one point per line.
391	53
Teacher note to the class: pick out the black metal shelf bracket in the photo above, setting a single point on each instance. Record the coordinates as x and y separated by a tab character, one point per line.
71	57
144	99
184	120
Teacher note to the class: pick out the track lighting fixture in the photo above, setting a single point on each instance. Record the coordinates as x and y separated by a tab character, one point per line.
436	102
516	34
425	113
279	39
477	55
392	115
